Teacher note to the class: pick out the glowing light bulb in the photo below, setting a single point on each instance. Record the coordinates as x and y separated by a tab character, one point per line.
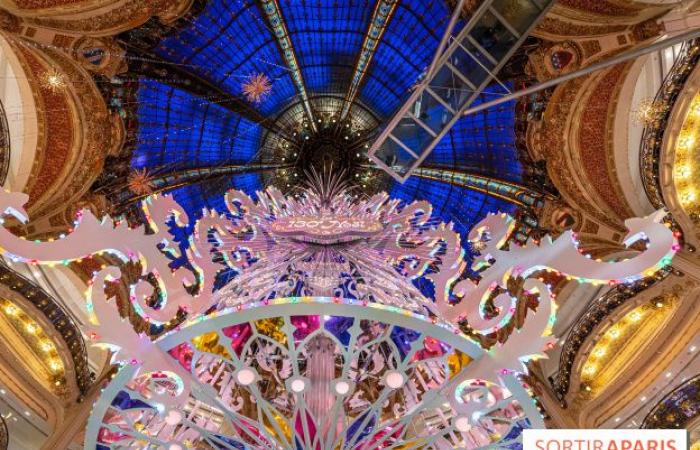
174	417
55	365
394	379
684	171
688	196
46	346
462	424
298	385
245	376
687	141
342	387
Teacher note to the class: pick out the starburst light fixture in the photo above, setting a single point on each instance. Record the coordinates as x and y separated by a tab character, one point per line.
53	80
257	87
647	112
320	338
139	182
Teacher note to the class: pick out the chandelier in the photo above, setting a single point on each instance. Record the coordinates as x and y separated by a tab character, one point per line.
341	323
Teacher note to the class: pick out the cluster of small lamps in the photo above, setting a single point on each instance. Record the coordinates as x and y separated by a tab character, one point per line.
43	343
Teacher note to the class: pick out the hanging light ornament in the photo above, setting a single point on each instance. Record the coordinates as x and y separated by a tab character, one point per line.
53	80
321	339
257	87
647	112
139	182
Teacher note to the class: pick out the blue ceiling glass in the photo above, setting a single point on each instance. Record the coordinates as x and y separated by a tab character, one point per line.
407	48
230	40
463	207
208	194
482	143
327	36
178	130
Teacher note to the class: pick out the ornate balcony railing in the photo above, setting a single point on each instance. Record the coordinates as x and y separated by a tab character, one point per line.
4	435
4	145
595	314
677	408
653	134
61	321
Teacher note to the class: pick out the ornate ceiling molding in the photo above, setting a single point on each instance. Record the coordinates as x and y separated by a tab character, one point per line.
660	150
665	100
556	140
97	17
76	132
383	11
553	27
593	145
580	19
271	11
649	362
4	435
4	145
122	196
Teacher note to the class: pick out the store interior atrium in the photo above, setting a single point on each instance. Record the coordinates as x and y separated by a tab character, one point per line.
347	224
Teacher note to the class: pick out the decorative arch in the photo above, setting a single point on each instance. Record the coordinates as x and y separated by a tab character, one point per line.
95	17
575	137
75	133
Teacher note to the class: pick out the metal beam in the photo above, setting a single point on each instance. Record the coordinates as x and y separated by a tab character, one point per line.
273	14
466	68
459	7
383	11
619	58
172	180
511	192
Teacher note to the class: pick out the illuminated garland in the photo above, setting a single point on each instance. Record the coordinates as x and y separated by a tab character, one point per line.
356	261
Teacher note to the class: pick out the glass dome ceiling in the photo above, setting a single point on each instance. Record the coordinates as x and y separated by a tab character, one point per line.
227	42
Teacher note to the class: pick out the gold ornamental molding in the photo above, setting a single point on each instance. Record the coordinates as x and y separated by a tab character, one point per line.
95	17
567	145
644	359
76	130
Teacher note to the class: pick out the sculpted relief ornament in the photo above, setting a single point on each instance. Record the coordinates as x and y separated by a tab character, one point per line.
320	322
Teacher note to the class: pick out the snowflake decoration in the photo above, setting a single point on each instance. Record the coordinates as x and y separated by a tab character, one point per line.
647	112
257	87
139	182
53	80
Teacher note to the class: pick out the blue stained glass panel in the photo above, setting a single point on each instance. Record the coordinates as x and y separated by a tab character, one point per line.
407	48
231	40
210	194
463	207
178	130
225	44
